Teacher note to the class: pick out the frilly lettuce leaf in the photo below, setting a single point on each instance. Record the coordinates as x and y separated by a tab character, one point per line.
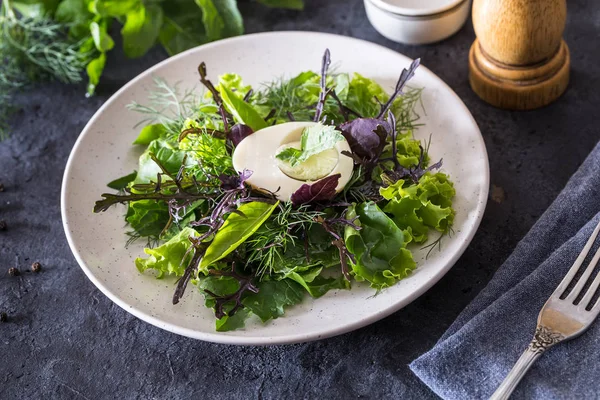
378	247
416	208
234	83
171	258
167	153
361	96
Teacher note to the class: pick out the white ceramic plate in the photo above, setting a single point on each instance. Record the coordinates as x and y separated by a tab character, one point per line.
104	152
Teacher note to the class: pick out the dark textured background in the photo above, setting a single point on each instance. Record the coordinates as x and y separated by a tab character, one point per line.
66	340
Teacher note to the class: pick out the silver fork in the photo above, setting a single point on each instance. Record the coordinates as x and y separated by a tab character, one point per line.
560	319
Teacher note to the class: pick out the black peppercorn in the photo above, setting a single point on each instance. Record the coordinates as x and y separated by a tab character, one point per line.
36	267
14	271
1	187
2	225
3	317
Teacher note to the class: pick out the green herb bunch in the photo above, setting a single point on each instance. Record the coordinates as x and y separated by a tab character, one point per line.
250	253
67	39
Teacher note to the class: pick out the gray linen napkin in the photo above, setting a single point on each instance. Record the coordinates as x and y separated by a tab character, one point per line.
482	345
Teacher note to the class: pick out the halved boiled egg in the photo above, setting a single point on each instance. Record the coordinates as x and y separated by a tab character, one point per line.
257	153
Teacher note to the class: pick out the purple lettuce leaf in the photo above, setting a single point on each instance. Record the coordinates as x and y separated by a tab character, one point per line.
238	133
322	190
366	137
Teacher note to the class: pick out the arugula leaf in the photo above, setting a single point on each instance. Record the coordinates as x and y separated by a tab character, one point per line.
273	297
381	256
141	29
232	82
236	230
242	112
150	133
123	182
291	4
171	258
315	139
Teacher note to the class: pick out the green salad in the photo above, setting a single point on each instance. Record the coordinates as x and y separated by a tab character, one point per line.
261	196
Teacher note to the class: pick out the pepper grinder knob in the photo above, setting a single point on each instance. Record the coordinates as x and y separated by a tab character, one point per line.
519	60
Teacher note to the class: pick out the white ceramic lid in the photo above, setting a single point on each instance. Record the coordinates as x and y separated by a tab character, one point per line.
416	7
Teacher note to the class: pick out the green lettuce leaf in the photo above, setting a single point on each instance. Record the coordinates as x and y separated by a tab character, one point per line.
234	83
242	112
166	153
171	258
416	208
379	249
315	139
361	96
272	298
150	133
236	230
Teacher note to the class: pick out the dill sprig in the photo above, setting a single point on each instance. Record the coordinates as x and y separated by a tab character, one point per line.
32	49
168	106
287	226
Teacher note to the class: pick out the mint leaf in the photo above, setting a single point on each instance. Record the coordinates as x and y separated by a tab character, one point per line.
315	139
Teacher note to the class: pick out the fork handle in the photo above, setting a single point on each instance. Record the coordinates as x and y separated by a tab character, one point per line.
516	373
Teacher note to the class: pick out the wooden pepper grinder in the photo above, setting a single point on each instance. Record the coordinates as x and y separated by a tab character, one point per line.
519	60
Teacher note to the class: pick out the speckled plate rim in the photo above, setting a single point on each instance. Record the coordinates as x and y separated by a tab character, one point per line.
217	337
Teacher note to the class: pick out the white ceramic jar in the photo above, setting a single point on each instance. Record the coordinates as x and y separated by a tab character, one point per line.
417	21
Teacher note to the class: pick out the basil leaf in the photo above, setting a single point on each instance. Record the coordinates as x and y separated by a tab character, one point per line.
379	248
242	112
114	8
102	39
213	23
229	12
150	133
121	183
94	71
236	230
141	29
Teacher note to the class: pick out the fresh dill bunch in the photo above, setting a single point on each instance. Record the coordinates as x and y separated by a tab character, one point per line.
269	244
167	105
405	110
32	49
282	95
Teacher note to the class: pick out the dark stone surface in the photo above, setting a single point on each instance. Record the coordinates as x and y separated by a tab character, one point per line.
65	339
